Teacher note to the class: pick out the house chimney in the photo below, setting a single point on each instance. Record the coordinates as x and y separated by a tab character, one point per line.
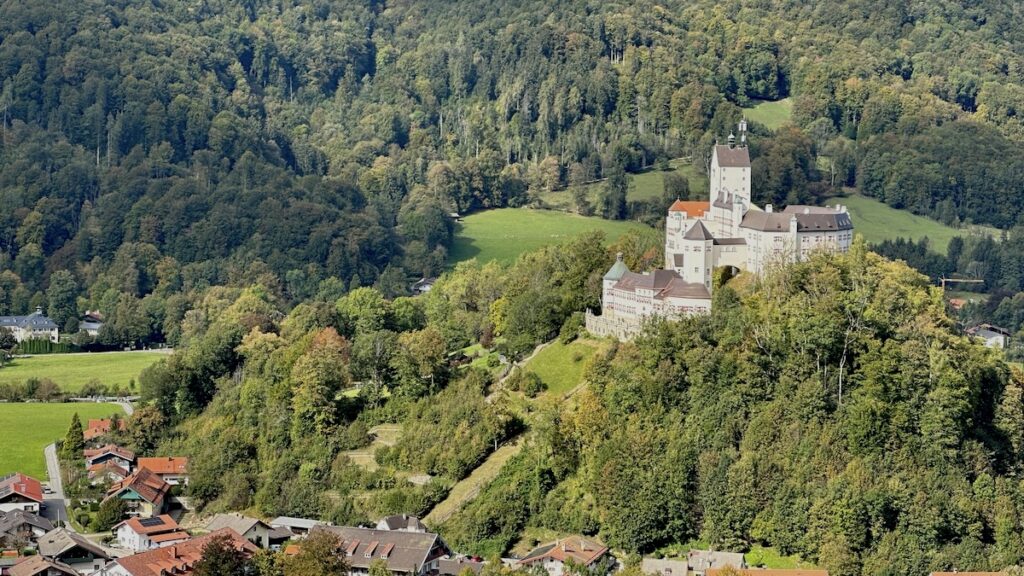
768	208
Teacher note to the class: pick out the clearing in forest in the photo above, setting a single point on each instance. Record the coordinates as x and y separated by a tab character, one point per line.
560	366
383	435
772	114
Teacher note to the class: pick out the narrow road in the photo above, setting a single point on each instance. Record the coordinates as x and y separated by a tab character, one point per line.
56	504
127	407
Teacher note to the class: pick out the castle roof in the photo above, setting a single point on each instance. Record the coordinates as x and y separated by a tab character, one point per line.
698	232
617	269
664	283
732	157
34	321
808	219
691	207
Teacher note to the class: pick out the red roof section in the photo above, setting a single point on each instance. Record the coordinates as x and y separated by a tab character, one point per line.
146	484
693	208
165	464
91	453
167	524
22	485
179	559
581	550
100	426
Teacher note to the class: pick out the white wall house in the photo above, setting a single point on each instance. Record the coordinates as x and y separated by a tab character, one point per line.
35	326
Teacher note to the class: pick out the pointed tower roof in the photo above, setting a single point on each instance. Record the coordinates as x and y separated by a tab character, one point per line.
618	269
698	232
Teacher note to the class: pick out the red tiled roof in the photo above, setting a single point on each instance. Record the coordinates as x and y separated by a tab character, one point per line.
581	550
179	559
167	524
169	537
693	209
22	485
92	453
165	464
145	483
102	468
100	426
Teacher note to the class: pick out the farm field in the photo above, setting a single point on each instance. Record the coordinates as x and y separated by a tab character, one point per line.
505	233
73	371
878	221
772	114
27	428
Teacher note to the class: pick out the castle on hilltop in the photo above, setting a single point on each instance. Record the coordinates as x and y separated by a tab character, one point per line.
729	230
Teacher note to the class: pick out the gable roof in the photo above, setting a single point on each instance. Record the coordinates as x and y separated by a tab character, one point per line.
235	521
165	464
403	551
402	522
577	548
154	525
19	484
145	483
664	283
100	426
11	521
290	522
617	269
93	453
109	466
693	208
734	157
56	543
33	565
34	321
179	558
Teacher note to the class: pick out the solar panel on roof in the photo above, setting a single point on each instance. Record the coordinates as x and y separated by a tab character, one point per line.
149	522
4	491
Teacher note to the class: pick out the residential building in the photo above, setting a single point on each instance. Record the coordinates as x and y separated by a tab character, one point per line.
91	322
140	534
20	492
990	335
113	453
170	469
662	567
403	522
252	529
39	566
107	472
405	553
98	427
297	526
144	493
178	559
35	326
700	561
19	528
423	285
728	231
72	549
456	566
582	551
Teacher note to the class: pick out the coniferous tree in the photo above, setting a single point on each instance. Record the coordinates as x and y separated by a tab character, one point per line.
74	441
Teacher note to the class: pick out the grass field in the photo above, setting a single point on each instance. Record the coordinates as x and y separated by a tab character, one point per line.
561	366
506	233
771	114
27	428
647	185
878	221
72	371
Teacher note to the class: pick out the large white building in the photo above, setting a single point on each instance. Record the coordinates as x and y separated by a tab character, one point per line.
728	230
35	326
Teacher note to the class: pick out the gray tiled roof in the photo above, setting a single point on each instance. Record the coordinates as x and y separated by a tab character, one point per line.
664	283
35	321
405	551
57	542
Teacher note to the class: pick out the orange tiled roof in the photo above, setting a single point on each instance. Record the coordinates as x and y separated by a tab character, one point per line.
179	559
581	550
22	485
100	426
167	524
145	483
693	209
165	464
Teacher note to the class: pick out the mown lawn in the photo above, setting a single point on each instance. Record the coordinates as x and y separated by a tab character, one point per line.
27	428
561	366
72	371
878	221
771	114
506	233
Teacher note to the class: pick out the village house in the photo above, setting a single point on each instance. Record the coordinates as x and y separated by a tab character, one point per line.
139	534
405	553
990	335
20	492
456	566
729	232
35	326
91	322
700	561
62	545
40	566
106	473
297	526
582	551
170	469
113	453
19	529
177	559
252	529
403	522
98	427
145	495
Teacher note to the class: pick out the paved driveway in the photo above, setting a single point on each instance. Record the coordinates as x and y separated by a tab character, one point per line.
56	504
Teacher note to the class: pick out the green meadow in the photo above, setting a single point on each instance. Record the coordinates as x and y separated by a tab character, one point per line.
28	428
878	221
505	233
72	371
772	114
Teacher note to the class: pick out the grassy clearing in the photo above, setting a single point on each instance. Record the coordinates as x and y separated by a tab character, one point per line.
72	371
770	558
878	221
771	114
27	428
383	435
506	233
561	366
468	488
647	185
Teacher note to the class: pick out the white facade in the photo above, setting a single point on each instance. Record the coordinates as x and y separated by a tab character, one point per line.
35	326
728	230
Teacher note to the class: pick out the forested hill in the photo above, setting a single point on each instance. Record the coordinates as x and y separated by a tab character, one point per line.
828	410
149	150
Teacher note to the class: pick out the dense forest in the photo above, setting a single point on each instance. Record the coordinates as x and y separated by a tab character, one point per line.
149	151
